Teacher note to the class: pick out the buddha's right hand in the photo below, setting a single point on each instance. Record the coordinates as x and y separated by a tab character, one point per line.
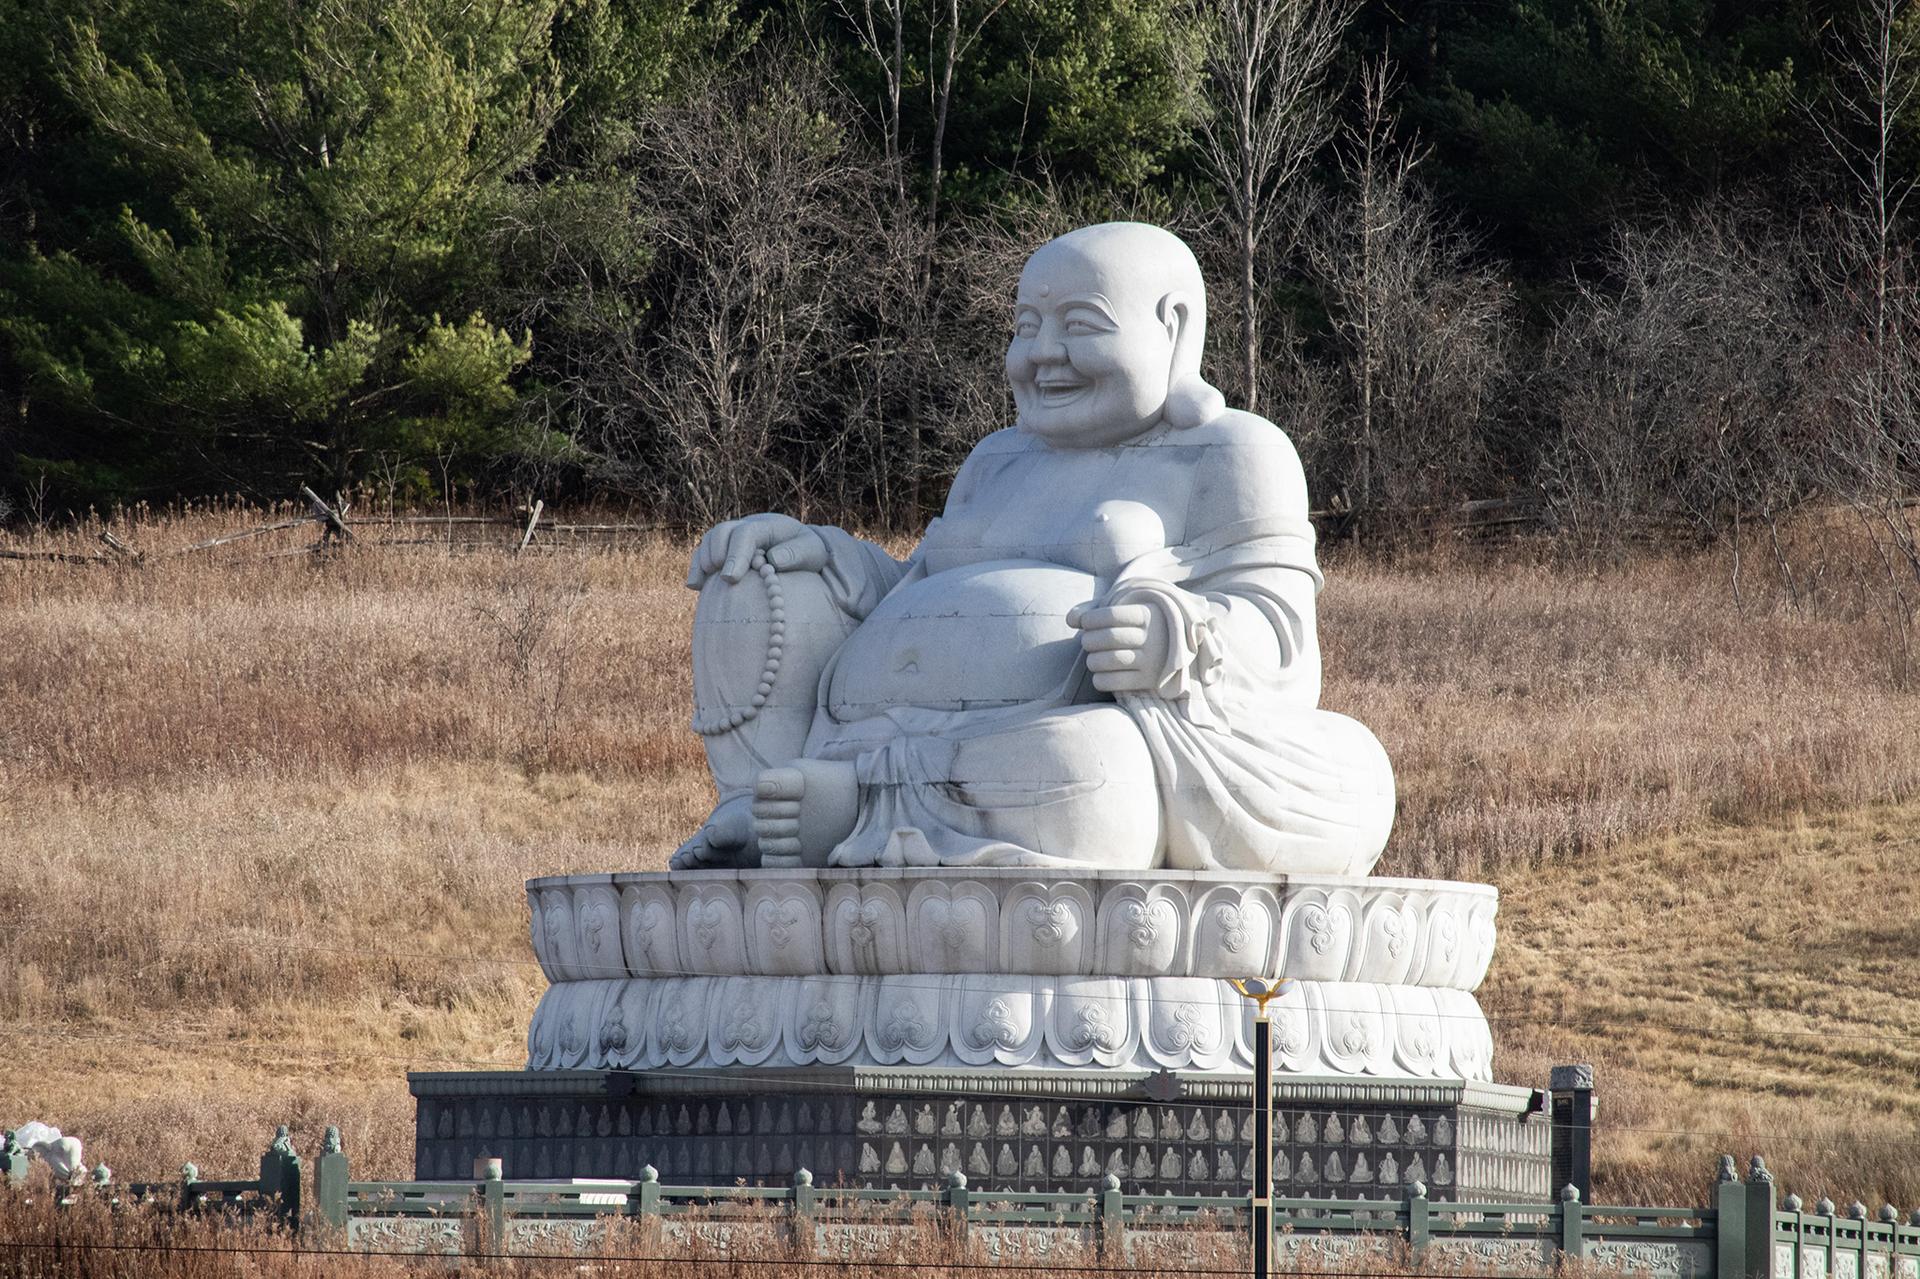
728	548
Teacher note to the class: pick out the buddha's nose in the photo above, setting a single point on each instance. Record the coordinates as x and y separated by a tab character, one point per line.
1048	348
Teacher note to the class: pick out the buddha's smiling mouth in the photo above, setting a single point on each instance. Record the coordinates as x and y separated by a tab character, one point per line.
1060	392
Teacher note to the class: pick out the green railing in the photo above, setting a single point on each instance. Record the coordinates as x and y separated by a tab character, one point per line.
1746	1233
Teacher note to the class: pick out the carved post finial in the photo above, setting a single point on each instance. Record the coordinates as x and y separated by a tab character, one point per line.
1418	1190
957	1180
649	1173
1794	1203
1825	1207
1857	1210
1757	1170
1727	1171
1112	1183
1570	1193
330	1144
1890	1214
803	1178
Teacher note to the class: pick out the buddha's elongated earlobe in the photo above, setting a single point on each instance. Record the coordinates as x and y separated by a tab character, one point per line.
1191	399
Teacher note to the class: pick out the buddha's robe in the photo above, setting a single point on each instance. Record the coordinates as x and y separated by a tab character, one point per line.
963	700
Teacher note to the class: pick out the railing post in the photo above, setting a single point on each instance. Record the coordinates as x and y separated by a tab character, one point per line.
1757	1255
280	1176
803	1231
1419	1220
189	1177
494	1194
1110	1212
330	1177
1572	1132
1857	1211
1729	1223
647	1193
1573	1214
957	1203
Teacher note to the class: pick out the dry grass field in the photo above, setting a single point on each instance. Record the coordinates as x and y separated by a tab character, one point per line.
264	822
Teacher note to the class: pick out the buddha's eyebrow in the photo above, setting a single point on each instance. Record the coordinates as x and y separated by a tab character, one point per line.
1093	302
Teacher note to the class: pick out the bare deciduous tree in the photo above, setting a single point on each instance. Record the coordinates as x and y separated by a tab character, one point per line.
1265	113
1873	459
953	28
1684	385
1421	333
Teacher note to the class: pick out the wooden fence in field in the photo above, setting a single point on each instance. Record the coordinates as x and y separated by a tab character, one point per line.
530	528
1747	1232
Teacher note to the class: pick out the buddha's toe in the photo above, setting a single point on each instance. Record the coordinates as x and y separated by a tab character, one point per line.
724	839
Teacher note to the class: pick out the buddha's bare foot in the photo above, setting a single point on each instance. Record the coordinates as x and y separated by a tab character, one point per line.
801	811
724	839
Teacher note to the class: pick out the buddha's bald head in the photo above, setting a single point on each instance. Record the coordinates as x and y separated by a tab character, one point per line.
1109	325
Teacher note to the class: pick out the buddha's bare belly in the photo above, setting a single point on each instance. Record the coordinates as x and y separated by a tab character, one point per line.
984	635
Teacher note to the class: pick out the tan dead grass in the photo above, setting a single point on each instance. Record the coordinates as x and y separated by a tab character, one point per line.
1739	989
263	826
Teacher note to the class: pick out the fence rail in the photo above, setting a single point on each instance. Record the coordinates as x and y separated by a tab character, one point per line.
338	527
1746	1233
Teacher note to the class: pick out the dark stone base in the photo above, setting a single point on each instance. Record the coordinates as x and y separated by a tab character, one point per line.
1045	1131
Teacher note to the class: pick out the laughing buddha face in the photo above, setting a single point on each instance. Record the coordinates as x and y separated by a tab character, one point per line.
1106	320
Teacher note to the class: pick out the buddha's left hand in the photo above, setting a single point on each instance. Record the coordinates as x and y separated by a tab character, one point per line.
1126	646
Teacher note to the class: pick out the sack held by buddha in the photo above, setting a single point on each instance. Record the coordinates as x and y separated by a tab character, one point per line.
1102	653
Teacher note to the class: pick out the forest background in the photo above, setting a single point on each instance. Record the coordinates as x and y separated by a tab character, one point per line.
1646	263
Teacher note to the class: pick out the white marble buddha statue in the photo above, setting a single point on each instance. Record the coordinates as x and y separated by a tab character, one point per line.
1102	653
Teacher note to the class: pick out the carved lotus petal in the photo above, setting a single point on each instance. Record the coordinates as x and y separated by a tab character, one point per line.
650	931
825	1019
1390	941
1358	1039
909	1021
577	1029
1469	1038
997	1020
712	931
627	1015
954	927
1092	1021
1483	933
1043	929
1447	942
540	1031
1140	932
1185	1027
784	936
1319	936
1233	933
561	936
596	914
1420	1034
680	1014
866	929
744	1023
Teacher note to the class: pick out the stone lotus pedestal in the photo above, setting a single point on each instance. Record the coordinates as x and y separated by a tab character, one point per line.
1033	1030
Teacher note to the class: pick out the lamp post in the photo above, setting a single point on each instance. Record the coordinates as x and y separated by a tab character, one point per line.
1260	990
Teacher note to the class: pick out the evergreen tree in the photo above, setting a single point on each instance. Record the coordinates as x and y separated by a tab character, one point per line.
258	255
1550	118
